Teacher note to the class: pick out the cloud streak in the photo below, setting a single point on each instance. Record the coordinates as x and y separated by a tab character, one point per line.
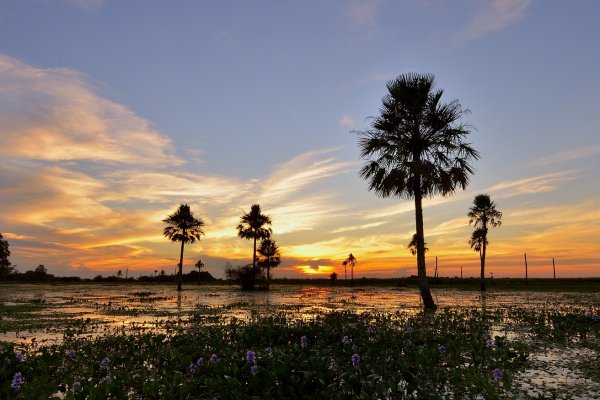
569	155
495	15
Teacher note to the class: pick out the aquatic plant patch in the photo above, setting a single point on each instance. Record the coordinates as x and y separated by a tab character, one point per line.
448	354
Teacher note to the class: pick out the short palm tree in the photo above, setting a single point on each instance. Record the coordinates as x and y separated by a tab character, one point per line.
351	261
412	246
269	250
182	226
252	226
199	264
482	215
476	241
415	149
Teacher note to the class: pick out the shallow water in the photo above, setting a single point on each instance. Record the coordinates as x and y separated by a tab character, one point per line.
149	305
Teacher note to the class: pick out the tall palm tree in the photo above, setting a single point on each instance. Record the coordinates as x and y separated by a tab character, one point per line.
482	215
252	226
182	226
351	261
415	150
412	246
272	257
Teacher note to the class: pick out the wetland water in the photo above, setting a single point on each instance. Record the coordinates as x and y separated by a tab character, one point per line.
147	306
46	311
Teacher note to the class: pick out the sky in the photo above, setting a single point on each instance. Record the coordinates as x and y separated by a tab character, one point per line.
112	113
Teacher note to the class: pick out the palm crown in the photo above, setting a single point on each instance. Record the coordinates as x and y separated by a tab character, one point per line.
183	226
416	144
483	213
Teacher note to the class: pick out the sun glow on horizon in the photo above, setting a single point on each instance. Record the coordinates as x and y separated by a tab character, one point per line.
315	269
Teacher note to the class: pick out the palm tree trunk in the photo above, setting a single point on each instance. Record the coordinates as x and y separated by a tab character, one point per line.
180	266
483	259
268	272
254	255
422	272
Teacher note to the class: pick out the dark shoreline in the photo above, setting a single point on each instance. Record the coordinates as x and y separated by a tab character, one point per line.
589	284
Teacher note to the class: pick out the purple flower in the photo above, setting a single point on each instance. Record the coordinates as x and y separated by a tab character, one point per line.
254	369
17	381
298	324
304	342
71	353
354	347
200	362
497	374
408	328
76	386
442	348
370	330
355	360
269	351
489	343
105	362
192	368
345	340
19	356
595	317
250	356
107	379
214	358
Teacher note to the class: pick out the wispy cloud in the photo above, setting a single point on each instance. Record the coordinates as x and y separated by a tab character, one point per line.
363	13
536	184
301	171
569	155
64	119
346	120
87	4
363	17
495	15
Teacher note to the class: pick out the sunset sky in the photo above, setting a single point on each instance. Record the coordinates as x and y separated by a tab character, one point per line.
114	112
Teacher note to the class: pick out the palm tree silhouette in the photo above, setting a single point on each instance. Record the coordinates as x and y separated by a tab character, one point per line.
351	261
199	265
252	227
415	149
482	214
412	246
272	257
182	226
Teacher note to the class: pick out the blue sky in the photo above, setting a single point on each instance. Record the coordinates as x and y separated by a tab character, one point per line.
117	111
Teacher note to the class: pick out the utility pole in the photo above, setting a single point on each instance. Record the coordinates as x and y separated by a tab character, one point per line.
553	268
526	268
436	268
461	272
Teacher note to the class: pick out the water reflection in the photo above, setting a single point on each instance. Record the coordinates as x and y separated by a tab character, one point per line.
150	305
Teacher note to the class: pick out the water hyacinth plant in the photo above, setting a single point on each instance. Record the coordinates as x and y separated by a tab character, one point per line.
309	362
